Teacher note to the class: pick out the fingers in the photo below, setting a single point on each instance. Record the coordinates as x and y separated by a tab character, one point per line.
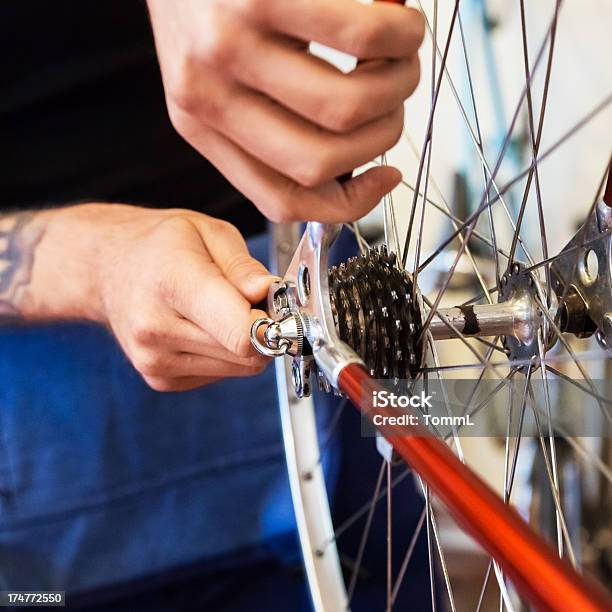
181	350
316	90
178	335
292	146
366	31
229	251
279	123
282	199
180	365
200	293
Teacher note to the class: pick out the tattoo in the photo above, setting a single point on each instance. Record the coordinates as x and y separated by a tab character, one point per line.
19	238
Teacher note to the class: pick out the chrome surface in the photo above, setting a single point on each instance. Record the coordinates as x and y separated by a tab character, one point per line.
300	306
575	270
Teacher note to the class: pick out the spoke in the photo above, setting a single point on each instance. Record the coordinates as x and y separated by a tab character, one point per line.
361	511
576	361
434	529
479	380
515	454
490	175
361	242
563	253
571	132
585	453
428	151
553	147
366	533
430	556
408	556
363	245
478	297
519	363
329	432
454	430
480	146
428	133
551	438
554	491
505	597
455	220
507	442
560	374
502	383
535	139
484	586
509	477
390	221
495	347
468	252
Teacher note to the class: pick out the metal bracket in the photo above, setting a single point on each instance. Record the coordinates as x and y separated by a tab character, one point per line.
585	267
302	323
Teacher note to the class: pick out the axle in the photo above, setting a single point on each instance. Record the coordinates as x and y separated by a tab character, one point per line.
484	320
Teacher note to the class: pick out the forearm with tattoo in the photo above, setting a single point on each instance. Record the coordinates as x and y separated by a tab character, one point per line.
174	286
19	238
50	263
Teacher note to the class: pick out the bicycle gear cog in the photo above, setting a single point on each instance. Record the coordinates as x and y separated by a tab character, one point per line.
376	314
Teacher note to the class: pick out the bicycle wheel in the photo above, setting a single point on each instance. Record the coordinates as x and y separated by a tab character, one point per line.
489	287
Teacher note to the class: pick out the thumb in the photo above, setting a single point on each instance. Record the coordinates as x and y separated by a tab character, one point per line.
365	190
250	277
341	202
230	253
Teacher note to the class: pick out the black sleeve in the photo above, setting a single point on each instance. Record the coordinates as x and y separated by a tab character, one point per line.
83	116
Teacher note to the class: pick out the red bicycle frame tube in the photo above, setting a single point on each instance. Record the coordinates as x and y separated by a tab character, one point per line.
545	580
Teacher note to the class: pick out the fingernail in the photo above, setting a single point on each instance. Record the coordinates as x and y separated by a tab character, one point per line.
261	278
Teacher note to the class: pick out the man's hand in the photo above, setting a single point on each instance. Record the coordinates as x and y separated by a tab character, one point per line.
279	123
175	286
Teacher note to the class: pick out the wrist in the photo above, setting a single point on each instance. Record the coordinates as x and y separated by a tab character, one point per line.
64	251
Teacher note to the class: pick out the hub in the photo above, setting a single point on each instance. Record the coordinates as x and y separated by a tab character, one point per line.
523	297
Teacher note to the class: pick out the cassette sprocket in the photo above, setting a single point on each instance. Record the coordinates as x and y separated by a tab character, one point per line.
377	314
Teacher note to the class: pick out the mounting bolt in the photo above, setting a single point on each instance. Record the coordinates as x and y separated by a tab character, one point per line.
280	300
